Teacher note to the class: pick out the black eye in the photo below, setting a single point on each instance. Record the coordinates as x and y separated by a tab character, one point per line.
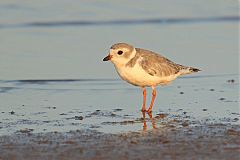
120	52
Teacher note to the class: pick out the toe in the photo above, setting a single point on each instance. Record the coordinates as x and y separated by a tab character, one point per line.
143	110
149	111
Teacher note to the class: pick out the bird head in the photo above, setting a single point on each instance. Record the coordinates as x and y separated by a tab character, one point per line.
120	53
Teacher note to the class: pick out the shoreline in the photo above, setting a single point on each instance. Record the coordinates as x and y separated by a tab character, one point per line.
207	141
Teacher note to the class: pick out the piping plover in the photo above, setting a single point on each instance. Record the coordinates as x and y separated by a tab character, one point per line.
145	68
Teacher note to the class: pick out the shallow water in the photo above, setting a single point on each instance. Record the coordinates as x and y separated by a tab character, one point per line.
52	74
113	106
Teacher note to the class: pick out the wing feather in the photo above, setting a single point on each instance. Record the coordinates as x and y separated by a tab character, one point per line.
157	65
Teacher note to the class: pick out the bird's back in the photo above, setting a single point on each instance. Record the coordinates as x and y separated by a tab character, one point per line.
157	65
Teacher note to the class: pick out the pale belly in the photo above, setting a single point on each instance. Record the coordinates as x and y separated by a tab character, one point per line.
139	77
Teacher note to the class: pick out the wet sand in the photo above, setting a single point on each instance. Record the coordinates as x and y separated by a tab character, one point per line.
177	139
194	118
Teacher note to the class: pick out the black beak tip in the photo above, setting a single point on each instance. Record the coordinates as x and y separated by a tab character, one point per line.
106	58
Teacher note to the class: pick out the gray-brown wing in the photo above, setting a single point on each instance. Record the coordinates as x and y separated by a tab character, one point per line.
155	64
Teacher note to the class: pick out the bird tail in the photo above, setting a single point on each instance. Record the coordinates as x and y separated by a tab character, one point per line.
188	70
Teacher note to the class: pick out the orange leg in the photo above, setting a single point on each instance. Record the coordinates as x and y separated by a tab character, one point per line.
152	120
154	93
144	99
144	121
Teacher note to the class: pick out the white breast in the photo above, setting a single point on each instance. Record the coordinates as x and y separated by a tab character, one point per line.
138	76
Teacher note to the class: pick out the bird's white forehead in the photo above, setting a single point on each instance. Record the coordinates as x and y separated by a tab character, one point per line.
111	50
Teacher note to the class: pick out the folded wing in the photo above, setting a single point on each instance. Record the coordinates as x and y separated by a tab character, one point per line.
157	65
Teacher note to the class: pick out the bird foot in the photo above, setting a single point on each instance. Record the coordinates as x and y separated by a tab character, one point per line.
149	111
143	110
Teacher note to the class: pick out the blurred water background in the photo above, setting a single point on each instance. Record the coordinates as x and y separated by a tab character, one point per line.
67	39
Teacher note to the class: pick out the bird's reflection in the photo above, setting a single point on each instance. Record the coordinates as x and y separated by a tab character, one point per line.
151	119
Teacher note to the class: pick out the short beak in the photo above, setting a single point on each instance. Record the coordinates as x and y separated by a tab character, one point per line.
107	58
